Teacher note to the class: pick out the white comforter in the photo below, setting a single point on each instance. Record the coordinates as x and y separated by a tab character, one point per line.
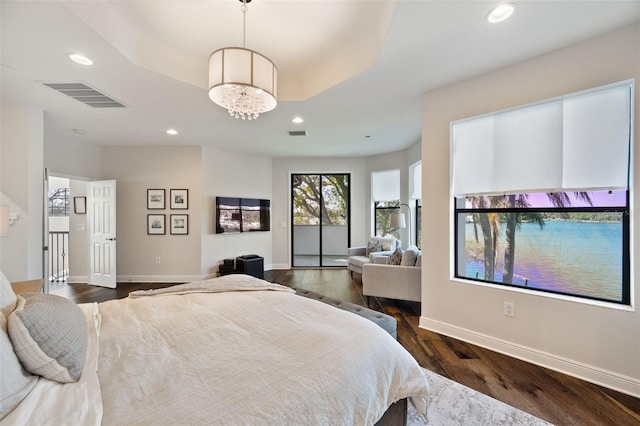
262	355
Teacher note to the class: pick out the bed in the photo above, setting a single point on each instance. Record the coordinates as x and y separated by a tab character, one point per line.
230	350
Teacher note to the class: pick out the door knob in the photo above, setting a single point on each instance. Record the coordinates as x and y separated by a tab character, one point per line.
111	239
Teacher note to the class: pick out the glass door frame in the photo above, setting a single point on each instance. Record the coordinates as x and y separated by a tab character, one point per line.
320	225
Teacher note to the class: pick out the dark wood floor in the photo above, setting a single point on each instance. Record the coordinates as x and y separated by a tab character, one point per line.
555	397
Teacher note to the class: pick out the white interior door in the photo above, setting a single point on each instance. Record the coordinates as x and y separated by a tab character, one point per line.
45	231
101	204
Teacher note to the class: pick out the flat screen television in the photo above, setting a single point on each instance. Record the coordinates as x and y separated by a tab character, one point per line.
242	215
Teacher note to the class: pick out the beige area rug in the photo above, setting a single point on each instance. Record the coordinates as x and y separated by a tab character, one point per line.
453	404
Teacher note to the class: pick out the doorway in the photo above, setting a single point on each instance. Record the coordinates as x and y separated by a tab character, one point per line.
58	207
80	231
320	219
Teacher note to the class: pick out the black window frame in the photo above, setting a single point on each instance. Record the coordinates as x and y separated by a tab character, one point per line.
418	223
461	212
375	214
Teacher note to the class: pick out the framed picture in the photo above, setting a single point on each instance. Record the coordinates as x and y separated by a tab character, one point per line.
179	199
80	205
155	199
179	224
156	224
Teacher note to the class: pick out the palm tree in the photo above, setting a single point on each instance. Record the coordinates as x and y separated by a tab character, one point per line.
490	226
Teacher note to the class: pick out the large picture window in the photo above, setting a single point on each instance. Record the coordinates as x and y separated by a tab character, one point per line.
541	195
566	243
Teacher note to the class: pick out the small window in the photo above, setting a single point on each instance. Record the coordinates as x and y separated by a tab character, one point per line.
383	211
59	202
385	194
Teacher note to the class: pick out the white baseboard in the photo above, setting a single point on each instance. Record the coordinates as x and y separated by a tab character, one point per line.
609	379
77	279
280	266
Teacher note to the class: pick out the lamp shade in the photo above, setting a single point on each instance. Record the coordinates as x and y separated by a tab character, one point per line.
242	81
4	221
397	220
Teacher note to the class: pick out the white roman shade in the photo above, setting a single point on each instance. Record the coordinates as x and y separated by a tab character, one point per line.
578	142
385	185
415	181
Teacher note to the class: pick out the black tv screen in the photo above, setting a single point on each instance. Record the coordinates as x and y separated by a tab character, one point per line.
242	215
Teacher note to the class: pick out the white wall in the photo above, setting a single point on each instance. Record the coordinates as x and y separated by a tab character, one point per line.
281	202
70	155
598	342
21	188
78	236
135	170
230	174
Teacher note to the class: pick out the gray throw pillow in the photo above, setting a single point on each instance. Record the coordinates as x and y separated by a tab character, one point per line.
373	246
396	257
49	335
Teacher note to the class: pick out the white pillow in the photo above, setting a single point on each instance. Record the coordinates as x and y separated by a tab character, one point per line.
7	296
49	335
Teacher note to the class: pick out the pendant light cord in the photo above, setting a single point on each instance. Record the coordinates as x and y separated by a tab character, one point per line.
244	23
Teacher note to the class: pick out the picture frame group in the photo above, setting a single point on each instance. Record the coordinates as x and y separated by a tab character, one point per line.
178	224
178	199
157	222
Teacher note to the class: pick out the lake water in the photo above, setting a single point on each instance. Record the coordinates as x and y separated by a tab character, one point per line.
582	258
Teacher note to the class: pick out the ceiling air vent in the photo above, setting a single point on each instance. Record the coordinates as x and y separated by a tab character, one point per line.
85	94
297	133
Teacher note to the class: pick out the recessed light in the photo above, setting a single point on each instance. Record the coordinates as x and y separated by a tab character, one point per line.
79	131
80	59
297	120
500	13
172	132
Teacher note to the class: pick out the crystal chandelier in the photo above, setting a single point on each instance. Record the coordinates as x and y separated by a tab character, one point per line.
241	80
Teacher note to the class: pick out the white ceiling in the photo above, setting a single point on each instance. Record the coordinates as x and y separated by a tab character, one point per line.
355	70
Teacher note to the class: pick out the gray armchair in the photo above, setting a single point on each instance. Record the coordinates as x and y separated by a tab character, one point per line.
358	256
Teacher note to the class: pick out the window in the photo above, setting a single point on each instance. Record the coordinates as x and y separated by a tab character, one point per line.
567	243
383	211
385	190
541	195
59	202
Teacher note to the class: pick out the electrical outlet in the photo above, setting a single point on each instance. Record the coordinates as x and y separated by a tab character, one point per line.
158	260
509	309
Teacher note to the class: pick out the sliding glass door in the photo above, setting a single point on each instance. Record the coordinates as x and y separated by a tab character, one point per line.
320	206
